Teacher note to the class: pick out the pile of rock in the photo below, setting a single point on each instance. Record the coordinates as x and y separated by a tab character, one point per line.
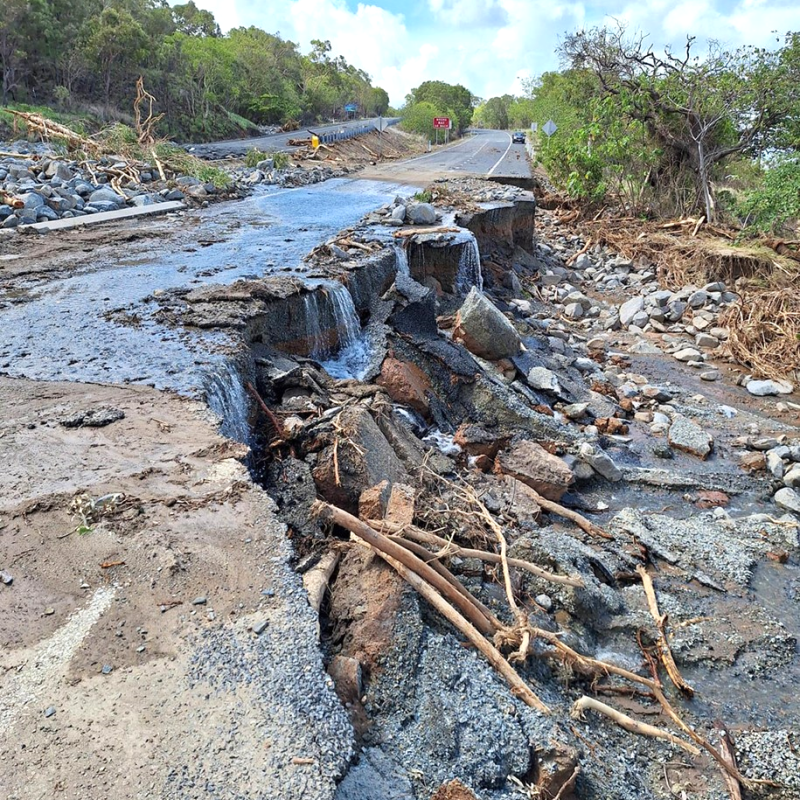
39	187
267	174
403	211
781	460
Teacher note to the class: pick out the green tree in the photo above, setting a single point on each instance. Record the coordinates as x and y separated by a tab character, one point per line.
116	45
194	21
456	98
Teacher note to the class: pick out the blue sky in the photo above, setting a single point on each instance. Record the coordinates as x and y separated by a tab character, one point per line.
489	45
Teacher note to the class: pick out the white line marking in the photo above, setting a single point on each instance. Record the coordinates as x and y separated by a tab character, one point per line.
48	660
510	144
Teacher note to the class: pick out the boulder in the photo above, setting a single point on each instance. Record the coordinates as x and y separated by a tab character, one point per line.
363	459
105	195
399	214
531	464
406	384
421	214
686	435
483	330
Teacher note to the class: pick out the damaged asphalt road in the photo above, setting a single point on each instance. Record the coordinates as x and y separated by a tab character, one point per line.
160	643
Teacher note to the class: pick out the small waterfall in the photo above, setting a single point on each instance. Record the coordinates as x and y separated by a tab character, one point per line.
469	266
313	314
401	260
349	356
228	400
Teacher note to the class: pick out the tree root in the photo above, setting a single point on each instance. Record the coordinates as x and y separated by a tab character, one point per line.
664	651
449	548
628	723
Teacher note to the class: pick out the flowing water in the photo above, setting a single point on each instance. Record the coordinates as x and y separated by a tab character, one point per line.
469	265
96	323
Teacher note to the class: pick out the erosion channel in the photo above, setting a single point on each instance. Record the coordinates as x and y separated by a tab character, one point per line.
214	424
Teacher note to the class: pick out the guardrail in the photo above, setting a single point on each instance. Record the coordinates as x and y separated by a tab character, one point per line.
350	133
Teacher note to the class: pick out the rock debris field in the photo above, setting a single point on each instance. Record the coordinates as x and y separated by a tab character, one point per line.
506	521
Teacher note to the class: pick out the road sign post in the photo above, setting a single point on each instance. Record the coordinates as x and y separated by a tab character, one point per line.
441	124
550	127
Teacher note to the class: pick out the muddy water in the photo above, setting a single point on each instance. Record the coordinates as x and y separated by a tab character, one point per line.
96	324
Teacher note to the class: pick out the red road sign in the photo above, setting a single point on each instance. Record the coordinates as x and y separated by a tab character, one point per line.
441	122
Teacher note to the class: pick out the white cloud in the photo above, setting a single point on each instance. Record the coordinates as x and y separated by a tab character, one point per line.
487	45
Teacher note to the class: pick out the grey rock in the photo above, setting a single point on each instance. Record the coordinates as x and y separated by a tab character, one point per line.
107	669
582	262
11	222
711	375
421	214
543	379
573	311
33	200
686	435
260	626
769	388
697	299
105	195
6	578
788	499
792	476
775	464
484	330
704	340
199	601
174	195
101	206
5	211
544	601
142	200
640	319
58	169
600	462
45	213
399	213
629	309
49	711
687	354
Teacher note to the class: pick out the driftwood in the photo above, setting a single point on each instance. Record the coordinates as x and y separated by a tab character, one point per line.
518	687
629	724
406	232
728	753
664	651
449	548
388	546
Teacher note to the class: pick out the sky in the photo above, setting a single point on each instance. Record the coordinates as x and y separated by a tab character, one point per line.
490	45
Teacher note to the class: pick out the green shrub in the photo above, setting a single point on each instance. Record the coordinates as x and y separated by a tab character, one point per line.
255	156
774	206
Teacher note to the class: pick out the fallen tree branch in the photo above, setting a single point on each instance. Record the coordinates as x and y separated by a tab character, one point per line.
391	548
664	651
573	516
518	687
628	723
452	549
432	559
728	753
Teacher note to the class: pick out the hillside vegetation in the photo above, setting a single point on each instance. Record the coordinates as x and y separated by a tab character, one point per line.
83	57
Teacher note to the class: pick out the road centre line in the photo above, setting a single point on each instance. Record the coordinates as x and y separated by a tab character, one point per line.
500	161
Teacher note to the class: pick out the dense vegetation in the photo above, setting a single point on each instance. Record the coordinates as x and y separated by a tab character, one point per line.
85	55
675	134
437	99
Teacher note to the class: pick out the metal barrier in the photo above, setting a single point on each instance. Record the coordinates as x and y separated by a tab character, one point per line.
350	133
